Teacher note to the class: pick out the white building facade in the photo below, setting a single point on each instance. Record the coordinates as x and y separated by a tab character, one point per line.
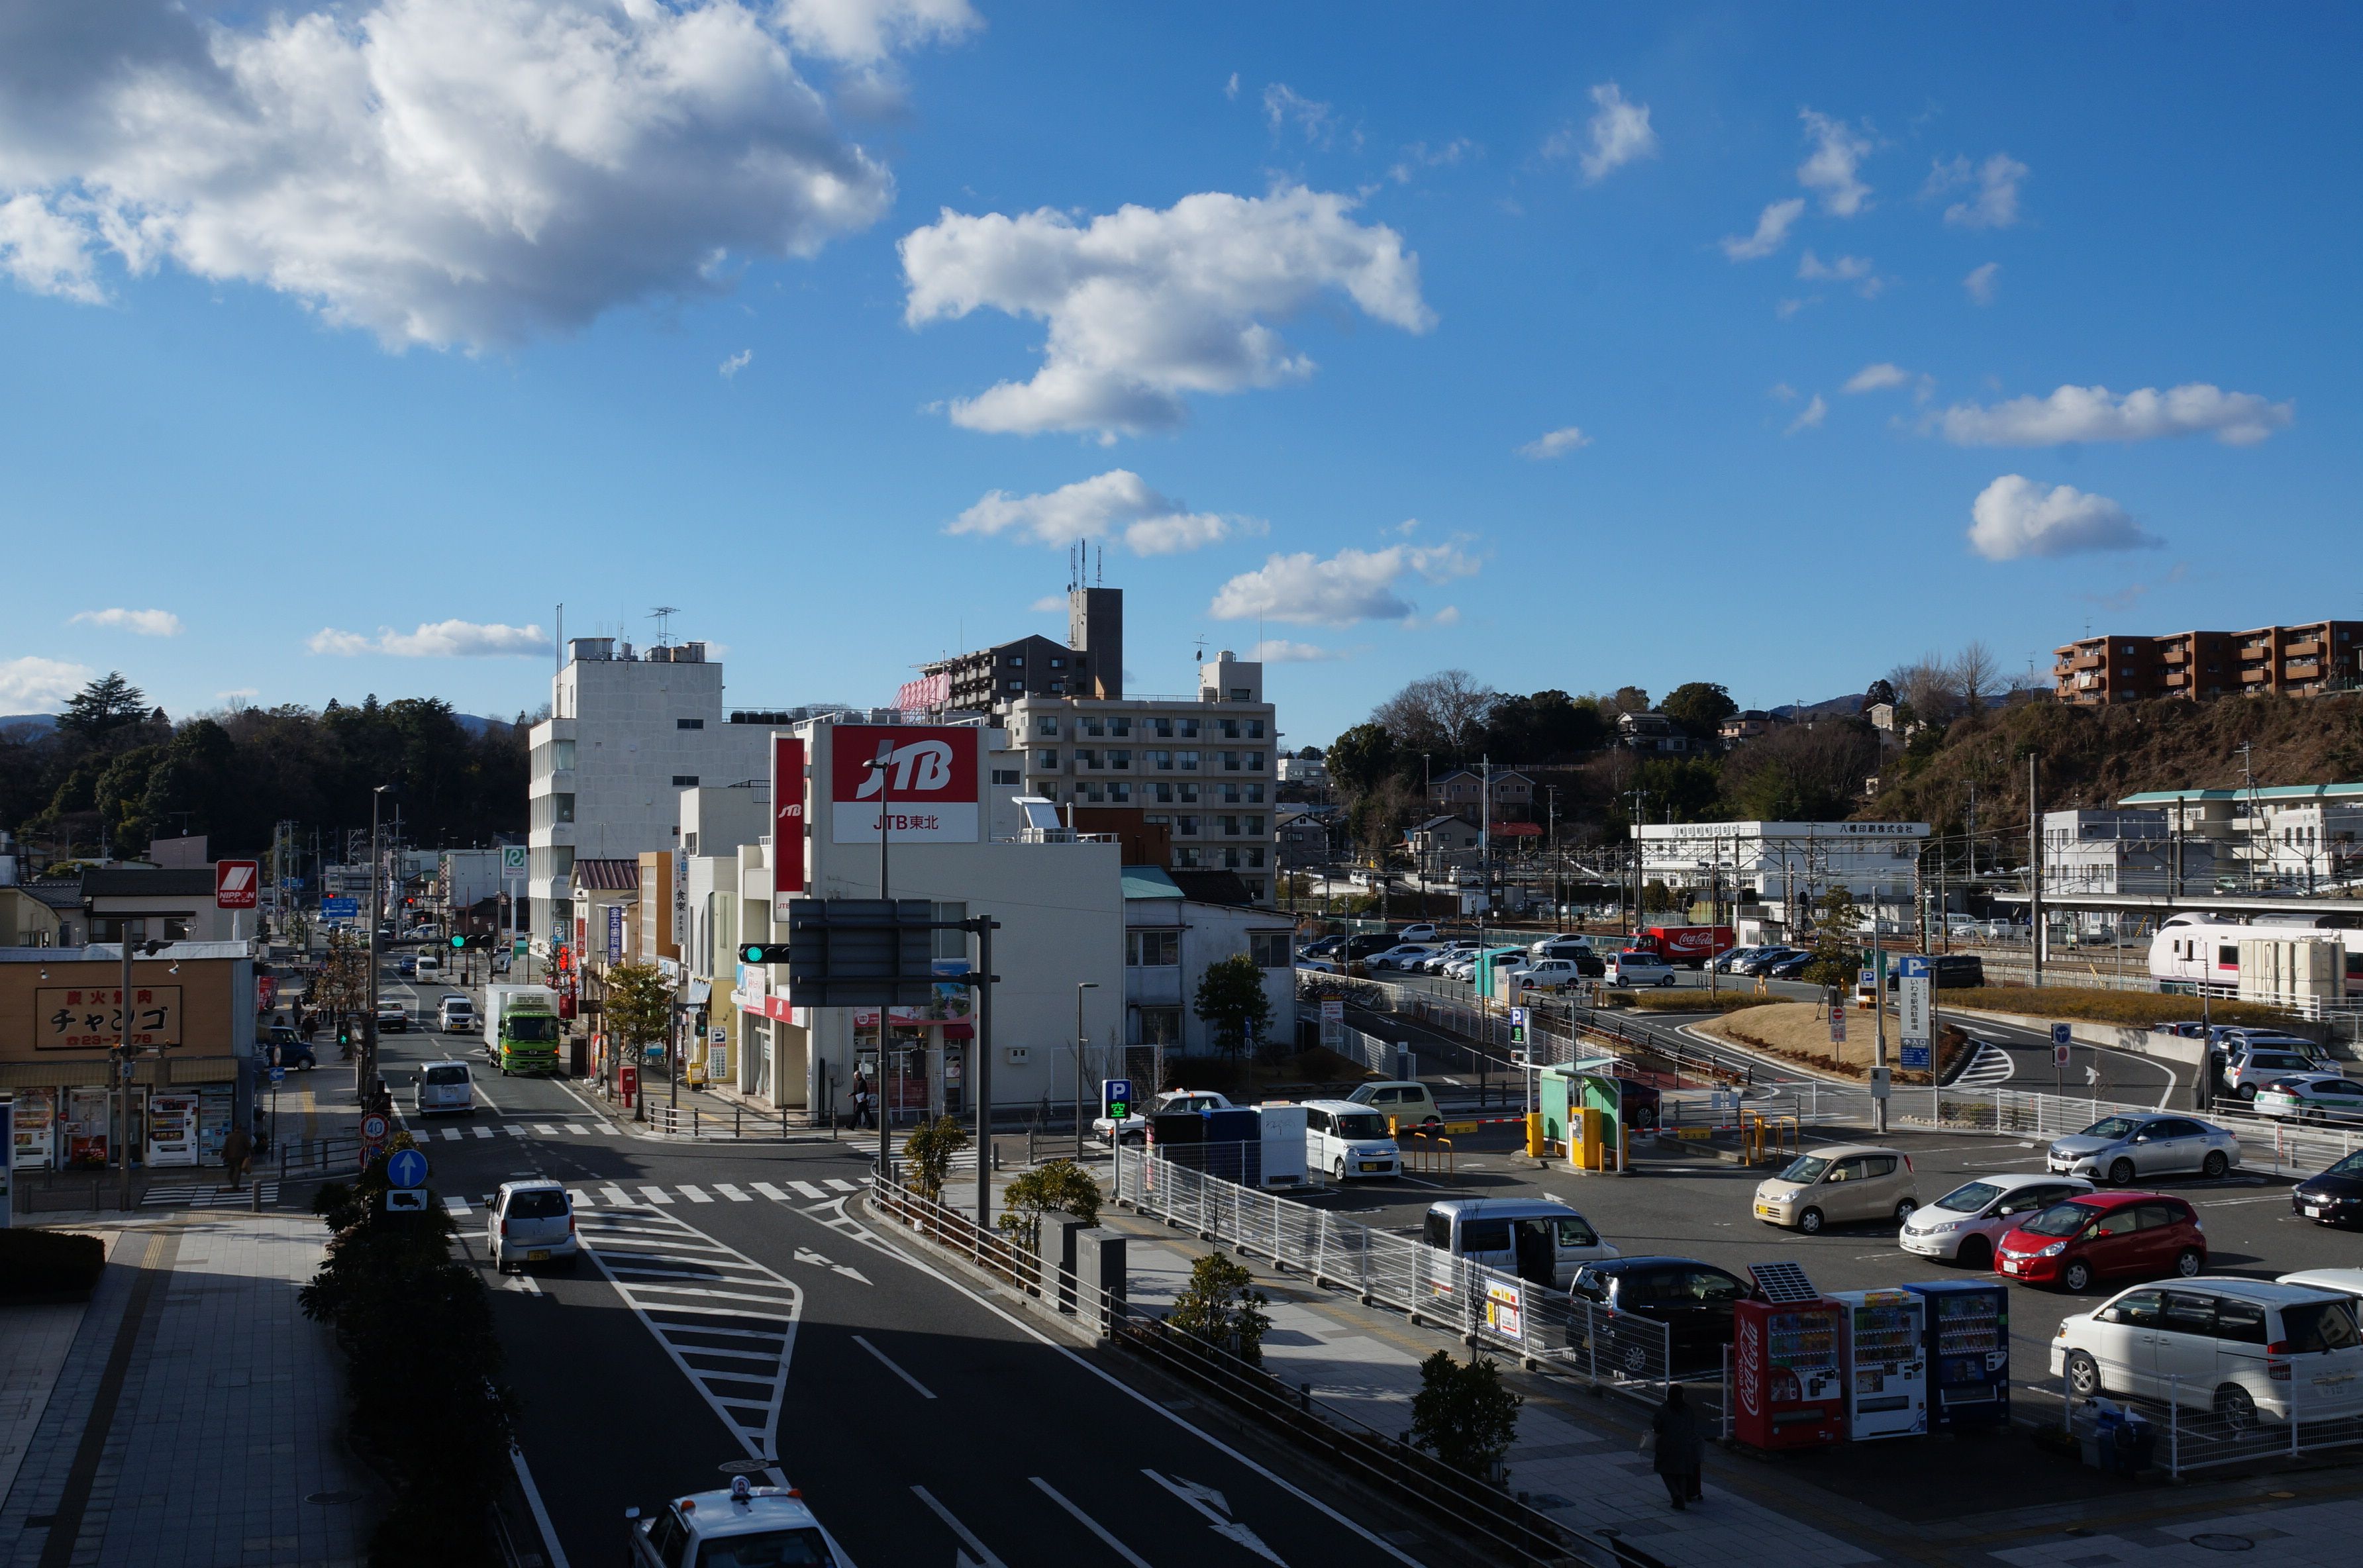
1169	942
1784	867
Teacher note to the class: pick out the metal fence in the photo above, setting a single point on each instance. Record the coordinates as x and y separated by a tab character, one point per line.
319	1159
729	1121
1487	1308
1498	1522
2197	1423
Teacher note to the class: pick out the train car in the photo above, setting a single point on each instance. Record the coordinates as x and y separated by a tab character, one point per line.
2205	950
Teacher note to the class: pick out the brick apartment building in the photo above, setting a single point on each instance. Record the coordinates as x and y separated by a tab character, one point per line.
2295	661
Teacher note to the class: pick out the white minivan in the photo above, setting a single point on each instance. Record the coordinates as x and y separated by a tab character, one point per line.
430	964
455	1015
2244	1349
1636	968
1343	1141
1537	1239
445	1089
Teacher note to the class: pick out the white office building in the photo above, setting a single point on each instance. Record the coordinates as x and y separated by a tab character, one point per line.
1169	942
628	733
1777	865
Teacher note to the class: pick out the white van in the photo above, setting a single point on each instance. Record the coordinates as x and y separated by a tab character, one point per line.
445	1089
1636	968
2242	1348
1532	1238
1343	1140
455	1015
430	964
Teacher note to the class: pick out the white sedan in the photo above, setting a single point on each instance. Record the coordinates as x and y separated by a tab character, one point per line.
1406	955
1963	1226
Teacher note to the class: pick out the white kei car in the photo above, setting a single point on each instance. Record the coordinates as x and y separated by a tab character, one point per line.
1963	1226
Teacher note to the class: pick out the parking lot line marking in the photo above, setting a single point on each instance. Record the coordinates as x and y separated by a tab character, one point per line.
732	1193
2228	1202
693	1194
1090	1524
656	1194
841	1184
888	1363
767	1190
807	1189
617	1196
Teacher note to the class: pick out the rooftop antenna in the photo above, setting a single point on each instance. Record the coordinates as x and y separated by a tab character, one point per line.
662	615
1099	567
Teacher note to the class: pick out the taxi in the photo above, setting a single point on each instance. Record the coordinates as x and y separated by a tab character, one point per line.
737	1528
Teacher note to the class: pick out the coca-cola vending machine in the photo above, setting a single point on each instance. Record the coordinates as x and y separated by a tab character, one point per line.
1787	1391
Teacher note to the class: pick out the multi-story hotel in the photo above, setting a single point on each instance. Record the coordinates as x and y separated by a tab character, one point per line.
2295	661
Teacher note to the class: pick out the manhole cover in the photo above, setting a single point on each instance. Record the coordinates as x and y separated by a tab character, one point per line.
332	1496
2224	1543
746	1467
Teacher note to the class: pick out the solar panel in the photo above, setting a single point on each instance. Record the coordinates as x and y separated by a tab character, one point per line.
1783	1282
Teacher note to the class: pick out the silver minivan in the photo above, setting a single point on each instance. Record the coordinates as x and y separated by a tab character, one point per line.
444	1089
1536	1239
531	1223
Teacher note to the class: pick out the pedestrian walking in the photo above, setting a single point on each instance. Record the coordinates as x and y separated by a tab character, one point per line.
861	1101
237	1149
1681	1450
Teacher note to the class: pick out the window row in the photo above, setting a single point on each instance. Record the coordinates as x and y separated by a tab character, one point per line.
1122	725
1190	857
1124	759
1122	793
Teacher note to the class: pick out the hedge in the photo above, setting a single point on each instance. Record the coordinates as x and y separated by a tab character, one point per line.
49	1263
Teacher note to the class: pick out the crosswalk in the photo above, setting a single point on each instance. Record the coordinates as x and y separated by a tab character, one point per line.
635	1196
205	1195
516	1130
726	1322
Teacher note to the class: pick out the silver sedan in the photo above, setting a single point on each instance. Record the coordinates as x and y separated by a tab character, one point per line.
2123	1149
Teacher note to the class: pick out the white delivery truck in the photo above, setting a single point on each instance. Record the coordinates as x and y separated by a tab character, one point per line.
521	1031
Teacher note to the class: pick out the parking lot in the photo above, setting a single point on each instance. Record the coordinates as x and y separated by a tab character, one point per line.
1695	1205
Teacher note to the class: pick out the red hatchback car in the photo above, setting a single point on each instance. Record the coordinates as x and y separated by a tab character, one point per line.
2104	1235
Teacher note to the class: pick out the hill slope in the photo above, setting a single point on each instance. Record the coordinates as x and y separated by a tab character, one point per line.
2095	757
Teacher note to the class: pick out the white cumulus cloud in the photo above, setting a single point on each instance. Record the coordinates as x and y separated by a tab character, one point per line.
2015	516
1280	650
1772	225
1856	269
1877	378
436	171
32	685
1145	305
2094	414
1619	133
1993	204
1810	417
736	363
147	623
1555	443
1838	151
1116	504
1352	585
1979	284
436	639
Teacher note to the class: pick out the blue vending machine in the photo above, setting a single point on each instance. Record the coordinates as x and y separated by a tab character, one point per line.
1969	1352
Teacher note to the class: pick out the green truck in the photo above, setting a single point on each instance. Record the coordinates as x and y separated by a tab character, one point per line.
521	1032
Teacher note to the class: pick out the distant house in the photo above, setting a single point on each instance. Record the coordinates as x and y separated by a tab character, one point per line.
1463	790
1744	725
1651	732
1442	835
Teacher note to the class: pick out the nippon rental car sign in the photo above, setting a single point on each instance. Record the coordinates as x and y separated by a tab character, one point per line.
787	821
235	884
924	783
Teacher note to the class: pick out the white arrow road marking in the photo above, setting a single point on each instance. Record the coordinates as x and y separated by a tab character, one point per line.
1090	1524
985	1558
1198	1496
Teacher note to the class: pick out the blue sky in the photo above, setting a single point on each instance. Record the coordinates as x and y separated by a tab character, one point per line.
380	334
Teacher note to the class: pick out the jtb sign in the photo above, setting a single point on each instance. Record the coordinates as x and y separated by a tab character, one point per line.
787	822
921	779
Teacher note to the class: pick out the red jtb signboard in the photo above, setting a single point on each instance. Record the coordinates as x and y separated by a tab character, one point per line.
787	821
922	780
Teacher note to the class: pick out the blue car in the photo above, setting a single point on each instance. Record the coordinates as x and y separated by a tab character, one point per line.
290	1049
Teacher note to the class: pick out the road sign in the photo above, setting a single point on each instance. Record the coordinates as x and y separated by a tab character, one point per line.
861	953
2061	1034
1518	1015
1115	1099
1332	1022
512	860
1837	1024
340	908
1915	1055
278	1077
1913	966
407	1167
374	1127
406	1200
236	882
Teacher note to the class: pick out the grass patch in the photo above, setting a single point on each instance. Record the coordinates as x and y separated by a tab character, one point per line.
2138	1009
1696	1001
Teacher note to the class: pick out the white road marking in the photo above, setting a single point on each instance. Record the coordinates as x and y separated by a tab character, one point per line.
656	1194
540	1514
888	1363
1198	1497
617	1196
450	1134
841	1184
482	1132
1090	1524
607	1128
767	1190
959	1530
693	1194
458	1205
578	1131
581	1199
808	1189
732	1193
545	1129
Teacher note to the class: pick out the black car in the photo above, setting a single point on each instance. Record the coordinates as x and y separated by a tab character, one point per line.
1788	968
1954	972
2333	1197
1692	1298
1756	960
289	1049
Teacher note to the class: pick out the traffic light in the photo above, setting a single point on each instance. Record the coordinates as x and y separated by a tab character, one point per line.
460	943
344	1033
764	953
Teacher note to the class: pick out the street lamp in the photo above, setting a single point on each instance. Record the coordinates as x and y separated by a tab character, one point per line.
377	913
1114	1135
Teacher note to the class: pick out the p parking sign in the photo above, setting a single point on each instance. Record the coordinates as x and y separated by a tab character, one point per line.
1115	1099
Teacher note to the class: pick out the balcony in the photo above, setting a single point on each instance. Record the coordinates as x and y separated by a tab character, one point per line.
2305	647
2253	675
2086	661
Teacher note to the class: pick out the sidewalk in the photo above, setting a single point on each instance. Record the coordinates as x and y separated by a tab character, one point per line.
193	1417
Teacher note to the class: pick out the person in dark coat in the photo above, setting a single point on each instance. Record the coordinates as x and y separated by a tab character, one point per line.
1681	1449
237	1149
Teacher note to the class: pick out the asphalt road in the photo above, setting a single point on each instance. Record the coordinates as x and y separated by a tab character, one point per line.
924	1422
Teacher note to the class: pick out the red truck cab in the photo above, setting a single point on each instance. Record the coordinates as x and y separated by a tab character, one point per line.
1688	945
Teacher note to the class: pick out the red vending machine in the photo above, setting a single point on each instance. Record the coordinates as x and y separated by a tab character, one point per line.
1786	1385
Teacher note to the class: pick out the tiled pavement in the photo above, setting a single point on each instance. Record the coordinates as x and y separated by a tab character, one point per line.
197	1418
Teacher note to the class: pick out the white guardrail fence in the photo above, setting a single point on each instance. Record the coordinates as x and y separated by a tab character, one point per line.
1493	1310
2193	1423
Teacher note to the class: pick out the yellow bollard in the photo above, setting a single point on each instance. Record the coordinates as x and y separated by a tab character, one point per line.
1595	1123
1534	1135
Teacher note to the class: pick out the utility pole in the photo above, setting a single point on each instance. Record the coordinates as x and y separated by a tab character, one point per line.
377	915
983	1073
1878	1022
1115	1135
2034	865
123	1073
882	767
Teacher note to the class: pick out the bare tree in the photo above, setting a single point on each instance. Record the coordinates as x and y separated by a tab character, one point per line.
1929	686
1443	714
1977	676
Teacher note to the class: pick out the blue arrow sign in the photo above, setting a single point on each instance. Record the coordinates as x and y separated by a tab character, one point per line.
2061	1035
340	908
278	1076
406	1168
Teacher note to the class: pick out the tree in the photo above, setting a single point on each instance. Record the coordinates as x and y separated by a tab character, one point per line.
1442	713
1463	1415
1054	1186
637	1007
1801	772
1231	998
1700	707
1361	758
1835	957
1879	691
1629	699
1927	684
1218	1306
1977	676
1550	726
1309	753
107	704
927	1153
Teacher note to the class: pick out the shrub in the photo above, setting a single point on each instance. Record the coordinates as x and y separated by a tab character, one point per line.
2138	1009
928	1152
1060	1185
1693	1001
1463	1415
1217	1307
49	1263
